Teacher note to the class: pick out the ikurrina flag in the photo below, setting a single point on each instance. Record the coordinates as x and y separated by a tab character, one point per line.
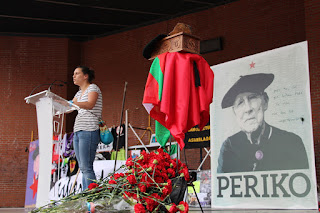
178	93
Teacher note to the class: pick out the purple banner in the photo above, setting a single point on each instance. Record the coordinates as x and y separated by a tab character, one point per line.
33	172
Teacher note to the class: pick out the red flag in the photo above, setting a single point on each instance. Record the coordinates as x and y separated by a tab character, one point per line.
180	105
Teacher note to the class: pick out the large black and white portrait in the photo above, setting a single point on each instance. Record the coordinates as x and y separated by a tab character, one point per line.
258	146
261	131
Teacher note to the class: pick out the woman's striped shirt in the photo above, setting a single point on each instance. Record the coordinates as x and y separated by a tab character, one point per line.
85	120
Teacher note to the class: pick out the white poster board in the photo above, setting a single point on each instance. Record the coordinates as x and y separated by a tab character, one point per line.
263	155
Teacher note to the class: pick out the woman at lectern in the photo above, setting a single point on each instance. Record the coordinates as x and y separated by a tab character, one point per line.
86	126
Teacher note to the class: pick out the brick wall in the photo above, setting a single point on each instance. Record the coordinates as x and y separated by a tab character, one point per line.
25	62
74	60
246	26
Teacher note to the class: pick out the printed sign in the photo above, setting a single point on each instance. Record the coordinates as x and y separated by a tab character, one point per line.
197	138
261	131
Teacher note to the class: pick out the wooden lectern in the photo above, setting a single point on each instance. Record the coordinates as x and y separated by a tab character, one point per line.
50	116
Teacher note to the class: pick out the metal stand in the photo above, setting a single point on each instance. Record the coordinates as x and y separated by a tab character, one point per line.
118	135
204	159
191	184
148	129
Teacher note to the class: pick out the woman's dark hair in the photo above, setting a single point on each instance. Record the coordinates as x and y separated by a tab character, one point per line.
86	71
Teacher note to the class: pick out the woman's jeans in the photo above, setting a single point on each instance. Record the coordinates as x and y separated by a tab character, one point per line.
85	145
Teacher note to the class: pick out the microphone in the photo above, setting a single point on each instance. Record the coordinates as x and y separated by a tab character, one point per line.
54	84
60	85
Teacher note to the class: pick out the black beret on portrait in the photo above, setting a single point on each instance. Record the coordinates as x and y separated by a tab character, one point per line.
255	83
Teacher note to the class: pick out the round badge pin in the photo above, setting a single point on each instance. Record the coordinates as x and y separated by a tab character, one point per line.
259	155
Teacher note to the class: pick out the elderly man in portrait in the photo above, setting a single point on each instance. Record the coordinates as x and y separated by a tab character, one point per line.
258	146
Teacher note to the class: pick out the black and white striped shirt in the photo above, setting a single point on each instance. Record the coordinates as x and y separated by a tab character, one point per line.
85	120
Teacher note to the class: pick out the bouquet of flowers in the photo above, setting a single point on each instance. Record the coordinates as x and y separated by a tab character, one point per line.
145	185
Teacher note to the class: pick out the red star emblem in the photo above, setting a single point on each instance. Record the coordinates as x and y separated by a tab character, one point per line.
252	65
34	186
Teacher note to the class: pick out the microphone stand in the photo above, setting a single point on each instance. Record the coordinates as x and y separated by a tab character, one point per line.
60	85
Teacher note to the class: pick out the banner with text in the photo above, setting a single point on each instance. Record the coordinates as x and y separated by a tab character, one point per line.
261	129
198	138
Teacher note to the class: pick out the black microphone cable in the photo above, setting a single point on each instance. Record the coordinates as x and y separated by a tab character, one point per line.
60	85
49	89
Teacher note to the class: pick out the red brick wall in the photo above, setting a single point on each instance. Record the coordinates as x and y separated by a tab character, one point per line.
246	26
74	60
25	62
312	27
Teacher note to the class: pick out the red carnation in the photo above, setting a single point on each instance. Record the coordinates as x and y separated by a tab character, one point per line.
142	187
160	166
150	208
182	166
172	208
152	165
160	151
147	180
173	164
139	208
185	173
92	186
167	189
157	172
134	196
112	182
143	157
166	164
165	192
183	207
127	194
129	162
149	201
166	155
116	176
169	182
164	176
158	179
171	173
168	186
155	195
132	179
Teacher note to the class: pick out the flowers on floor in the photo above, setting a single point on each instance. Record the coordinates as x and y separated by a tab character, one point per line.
145	185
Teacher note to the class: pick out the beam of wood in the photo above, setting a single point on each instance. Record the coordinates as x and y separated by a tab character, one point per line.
103	8
43	34
62	21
